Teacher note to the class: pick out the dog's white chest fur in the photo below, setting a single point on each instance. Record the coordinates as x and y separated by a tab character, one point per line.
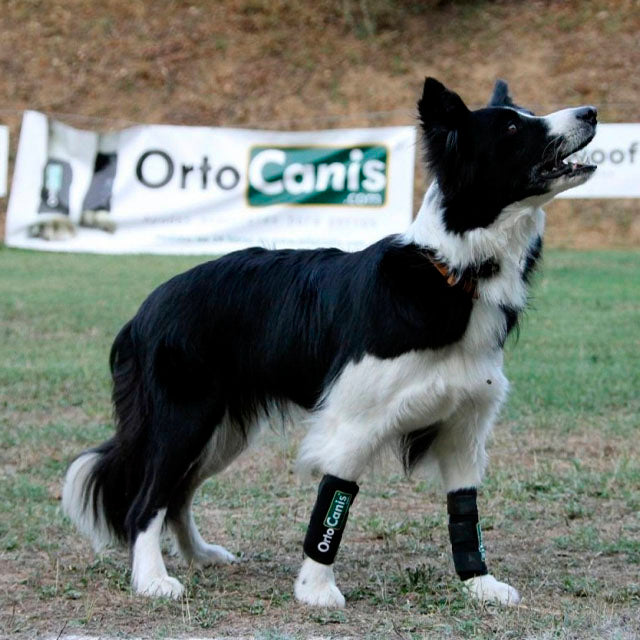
375	401
413	390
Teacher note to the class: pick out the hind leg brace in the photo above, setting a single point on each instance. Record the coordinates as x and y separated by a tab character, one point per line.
316	583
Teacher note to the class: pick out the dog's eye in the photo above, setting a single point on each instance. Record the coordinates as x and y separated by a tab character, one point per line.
512	128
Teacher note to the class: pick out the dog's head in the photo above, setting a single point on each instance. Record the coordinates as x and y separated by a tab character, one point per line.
501	156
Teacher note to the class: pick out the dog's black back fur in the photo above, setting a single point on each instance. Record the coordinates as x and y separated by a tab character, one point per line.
345	305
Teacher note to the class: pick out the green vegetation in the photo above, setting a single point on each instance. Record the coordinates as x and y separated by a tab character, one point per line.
577	362
560	503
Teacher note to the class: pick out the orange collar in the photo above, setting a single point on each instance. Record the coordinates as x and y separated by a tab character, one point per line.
468	279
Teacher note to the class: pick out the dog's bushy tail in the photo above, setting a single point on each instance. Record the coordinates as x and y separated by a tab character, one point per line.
102	483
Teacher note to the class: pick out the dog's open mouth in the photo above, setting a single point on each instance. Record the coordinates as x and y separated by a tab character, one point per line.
566	165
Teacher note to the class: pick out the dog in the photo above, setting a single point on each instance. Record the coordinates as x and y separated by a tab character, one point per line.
399	345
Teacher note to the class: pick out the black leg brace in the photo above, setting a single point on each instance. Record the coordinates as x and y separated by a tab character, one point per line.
465	534
328	518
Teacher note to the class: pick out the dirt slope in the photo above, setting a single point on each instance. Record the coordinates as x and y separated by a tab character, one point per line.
277	64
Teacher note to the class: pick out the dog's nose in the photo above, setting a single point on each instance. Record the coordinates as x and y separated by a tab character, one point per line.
588	114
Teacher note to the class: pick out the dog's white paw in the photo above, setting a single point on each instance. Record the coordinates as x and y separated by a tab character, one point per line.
212	554
488	589
319	595
165	587
316	585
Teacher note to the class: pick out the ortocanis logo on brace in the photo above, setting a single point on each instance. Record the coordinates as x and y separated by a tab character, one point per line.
335	518
337	513
352	176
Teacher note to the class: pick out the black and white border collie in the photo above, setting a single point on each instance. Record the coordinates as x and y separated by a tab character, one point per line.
399	345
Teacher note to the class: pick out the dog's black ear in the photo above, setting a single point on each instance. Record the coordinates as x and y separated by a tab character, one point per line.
440	108
444	119
501	97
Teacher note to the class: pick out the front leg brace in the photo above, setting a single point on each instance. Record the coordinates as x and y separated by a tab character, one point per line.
328	518
465	534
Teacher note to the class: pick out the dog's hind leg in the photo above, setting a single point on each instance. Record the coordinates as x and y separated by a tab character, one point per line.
459	449
145	522
193	549
180	433
148	573
225	445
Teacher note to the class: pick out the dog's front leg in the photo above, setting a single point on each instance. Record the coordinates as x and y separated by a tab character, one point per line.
468	550
316	583
460	451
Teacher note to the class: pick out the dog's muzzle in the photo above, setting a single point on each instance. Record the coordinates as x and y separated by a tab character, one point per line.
580	132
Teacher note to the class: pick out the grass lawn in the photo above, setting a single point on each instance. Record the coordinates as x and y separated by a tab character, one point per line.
560	505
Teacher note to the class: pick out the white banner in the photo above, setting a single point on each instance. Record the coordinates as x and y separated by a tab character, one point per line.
616	152
166	189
